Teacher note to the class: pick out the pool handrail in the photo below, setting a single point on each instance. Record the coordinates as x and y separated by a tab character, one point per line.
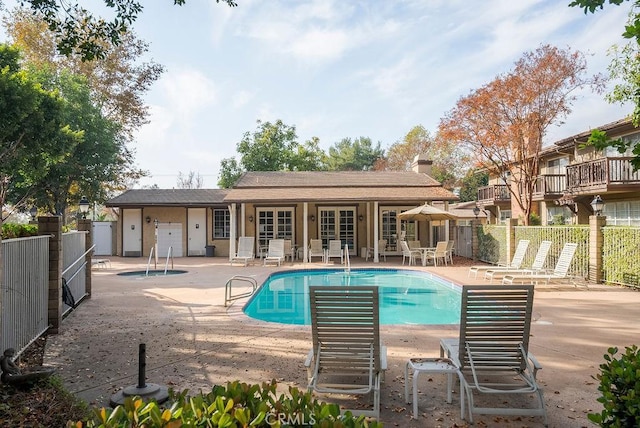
228	292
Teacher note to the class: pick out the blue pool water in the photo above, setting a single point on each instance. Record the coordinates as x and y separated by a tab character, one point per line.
406	297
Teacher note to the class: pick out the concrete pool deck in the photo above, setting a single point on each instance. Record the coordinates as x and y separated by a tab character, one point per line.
194	342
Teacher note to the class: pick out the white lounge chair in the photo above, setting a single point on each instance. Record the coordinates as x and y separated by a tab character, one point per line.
560	273
245	251
335	250
536	267
410	254
347	356
289	251
316	250
492	351
275	253
516	261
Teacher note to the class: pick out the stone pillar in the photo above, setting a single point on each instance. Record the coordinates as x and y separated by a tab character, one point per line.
53	226
511	239
596	242
86	225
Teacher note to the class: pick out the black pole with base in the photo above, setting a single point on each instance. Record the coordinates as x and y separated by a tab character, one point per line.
144	390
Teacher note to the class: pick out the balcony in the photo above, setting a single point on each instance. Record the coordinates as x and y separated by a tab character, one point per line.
603	175
494	194
549	186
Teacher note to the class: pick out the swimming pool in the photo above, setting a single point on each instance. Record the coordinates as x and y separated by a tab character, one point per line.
406	297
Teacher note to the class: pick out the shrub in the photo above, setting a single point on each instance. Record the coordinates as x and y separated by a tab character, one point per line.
13	230
620	388
234	405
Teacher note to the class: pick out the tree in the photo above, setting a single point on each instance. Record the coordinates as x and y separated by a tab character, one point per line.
356	155
470	183
34	134
449	160
94	165
191	180
272	147
118	81
78	32
503	123
624	68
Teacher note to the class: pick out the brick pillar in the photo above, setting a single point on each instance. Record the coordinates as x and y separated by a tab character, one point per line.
53	226
511	239
86	225
596	242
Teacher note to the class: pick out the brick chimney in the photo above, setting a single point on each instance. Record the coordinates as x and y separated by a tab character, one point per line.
422	165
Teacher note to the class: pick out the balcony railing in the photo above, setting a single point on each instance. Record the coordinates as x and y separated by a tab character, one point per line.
494	193
602	174
549	185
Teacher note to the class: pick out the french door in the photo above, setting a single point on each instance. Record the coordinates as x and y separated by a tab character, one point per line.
338	223
275	223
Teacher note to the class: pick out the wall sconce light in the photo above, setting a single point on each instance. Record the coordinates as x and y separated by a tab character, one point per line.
476	211
147	219
598	205
83	206
360	217
250	219
312	217
133	227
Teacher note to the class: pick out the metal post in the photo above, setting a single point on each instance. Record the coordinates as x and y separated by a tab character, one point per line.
142	365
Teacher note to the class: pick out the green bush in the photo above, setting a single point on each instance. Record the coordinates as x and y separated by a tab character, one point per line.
234	405
13	230
620	388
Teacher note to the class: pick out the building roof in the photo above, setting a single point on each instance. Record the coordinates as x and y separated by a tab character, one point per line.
168	197
338	186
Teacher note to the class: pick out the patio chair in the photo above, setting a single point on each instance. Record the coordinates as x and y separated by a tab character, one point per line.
335	250
347	356
492	351
536	267
450	247
560	273
382	250
516	261
440	252
413	244
275	253
289	252
245	250
408	253
315	249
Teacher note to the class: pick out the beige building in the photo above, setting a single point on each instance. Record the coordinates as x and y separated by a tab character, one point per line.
357	207
571	176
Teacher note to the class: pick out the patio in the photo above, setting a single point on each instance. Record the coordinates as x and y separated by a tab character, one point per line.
193	341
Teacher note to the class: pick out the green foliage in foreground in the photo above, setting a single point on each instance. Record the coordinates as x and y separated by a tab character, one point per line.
620	387
234	405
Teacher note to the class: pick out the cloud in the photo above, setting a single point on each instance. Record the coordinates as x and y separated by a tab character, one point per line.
241	98
187	91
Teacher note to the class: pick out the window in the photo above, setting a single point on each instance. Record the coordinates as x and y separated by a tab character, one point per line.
275	223
221	223
625	213
505	215
338	223
557	166
392	228
558	215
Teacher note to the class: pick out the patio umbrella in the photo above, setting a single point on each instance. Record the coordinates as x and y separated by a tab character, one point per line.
426	212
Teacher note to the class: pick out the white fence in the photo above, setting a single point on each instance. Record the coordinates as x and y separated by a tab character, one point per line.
25	291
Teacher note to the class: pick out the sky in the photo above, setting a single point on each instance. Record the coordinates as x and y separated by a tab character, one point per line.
339	69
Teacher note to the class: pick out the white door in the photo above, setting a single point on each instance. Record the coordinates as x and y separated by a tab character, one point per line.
196	231
132	233
102	238
169	235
